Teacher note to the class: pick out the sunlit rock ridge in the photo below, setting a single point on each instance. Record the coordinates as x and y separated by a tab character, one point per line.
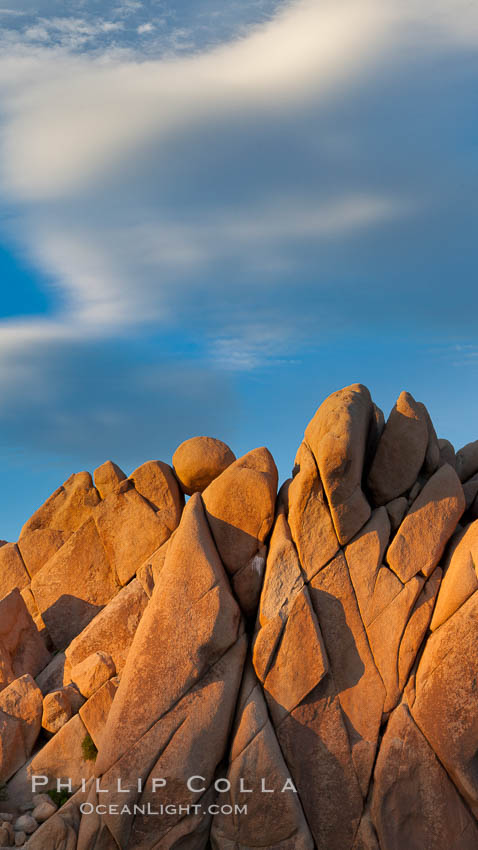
245	668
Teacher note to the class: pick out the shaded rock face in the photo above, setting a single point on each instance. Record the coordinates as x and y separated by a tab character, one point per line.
21	648
240	511
401	450
291	672
20	721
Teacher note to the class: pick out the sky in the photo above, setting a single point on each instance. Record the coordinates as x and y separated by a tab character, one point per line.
212	215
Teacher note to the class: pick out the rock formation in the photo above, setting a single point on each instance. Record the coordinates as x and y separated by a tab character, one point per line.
250	669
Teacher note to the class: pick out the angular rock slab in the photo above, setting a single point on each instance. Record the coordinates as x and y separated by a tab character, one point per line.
273	820
12	569
461	577
38	546
282	583
130	530
401	451
414	803
337	436
21	647
445	706
57	710
316	748
239	508
352	666
68	598
190	740
364	555
417	626
32	607
309	517
107	477
421	539
283	577
22	701
67	508
12	751
61	758
299	661
166	661
394	603
288	652
156	482
113	629
92	673
174	707
147	575
94	713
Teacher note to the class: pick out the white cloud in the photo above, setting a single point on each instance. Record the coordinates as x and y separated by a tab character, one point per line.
71	121
63	131
143	29
70	32
129	7
77	116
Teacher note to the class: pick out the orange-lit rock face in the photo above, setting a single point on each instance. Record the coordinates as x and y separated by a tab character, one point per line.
292	672
198	461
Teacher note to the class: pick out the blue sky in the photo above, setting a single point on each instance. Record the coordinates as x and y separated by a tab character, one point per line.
213	215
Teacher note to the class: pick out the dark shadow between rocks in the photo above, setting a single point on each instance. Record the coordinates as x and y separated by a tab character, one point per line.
238	550
314	742
67	617
235	546
347	667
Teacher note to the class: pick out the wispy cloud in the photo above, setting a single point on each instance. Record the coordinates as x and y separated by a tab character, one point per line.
128	7
258	345
459	354
69	32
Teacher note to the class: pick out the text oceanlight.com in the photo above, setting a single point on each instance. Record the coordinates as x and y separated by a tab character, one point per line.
169	809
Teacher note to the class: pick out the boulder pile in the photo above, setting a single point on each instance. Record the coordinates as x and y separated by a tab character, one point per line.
249	669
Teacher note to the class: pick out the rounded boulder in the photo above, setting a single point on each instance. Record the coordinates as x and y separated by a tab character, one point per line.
198	461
